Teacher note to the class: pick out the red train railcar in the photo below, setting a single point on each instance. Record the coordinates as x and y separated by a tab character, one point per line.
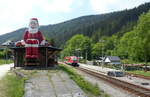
71	60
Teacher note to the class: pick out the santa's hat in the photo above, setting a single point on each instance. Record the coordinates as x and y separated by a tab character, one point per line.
34	19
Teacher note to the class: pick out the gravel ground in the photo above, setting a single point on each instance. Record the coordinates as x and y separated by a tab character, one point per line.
133	80
112	90
97	68
4	69
51	84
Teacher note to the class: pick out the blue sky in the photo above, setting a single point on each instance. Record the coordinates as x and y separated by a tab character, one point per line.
15	14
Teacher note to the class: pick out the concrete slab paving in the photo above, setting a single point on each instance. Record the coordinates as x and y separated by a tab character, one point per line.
52	84
39	86
71	85
59	86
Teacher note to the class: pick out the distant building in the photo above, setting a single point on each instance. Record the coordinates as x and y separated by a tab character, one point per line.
113	60
2	48
100	59
8	43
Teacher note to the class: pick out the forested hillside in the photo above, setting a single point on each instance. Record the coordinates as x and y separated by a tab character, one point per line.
133	46
94	26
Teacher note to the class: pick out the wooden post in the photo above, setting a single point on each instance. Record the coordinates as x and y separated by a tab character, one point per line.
14	59
46	56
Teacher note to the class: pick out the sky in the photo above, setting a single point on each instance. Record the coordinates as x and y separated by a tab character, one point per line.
15	14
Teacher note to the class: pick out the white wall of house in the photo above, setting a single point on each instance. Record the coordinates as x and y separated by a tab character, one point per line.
107	60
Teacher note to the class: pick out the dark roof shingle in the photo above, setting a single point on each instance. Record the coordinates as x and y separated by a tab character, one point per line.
113	58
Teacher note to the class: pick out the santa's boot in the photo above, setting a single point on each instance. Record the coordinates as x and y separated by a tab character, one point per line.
35	49
28	49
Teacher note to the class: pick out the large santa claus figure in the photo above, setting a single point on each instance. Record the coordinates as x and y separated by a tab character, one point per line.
32	39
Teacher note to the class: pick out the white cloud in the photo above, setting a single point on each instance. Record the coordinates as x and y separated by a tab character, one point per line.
16	9
105	6
55	5
14	13
81	2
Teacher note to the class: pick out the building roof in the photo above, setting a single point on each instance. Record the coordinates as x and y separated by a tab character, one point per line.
113	58
8	43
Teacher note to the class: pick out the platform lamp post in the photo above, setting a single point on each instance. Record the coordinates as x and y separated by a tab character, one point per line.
122	66
86	53
102	41
6	54
78	53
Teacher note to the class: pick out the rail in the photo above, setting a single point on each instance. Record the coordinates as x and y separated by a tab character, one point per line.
136	89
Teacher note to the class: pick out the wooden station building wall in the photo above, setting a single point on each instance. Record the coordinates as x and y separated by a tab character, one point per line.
47	57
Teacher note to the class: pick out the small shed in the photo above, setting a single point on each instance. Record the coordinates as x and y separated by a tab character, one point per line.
47	56
113	60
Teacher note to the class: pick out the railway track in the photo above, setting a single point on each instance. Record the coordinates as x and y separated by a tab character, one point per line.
135	89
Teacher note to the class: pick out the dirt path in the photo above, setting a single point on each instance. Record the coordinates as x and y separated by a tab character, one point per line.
51	84
4	69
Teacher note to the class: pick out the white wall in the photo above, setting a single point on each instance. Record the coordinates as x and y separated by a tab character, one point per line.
107	60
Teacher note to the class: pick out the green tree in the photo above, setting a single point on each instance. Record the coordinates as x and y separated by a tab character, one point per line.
78	44
97	50
143	35
136	43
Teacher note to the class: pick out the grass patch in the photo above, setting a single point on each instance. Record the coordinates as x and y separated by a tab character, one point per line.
85	85
2	61
140	72
11	86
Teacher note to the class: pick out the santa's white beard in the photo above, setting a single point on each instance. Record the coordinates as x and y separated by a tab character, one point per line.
33	30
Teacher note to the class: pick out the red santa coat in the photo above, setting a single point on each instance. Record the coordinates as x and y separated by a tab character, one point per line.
37	35
32	41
